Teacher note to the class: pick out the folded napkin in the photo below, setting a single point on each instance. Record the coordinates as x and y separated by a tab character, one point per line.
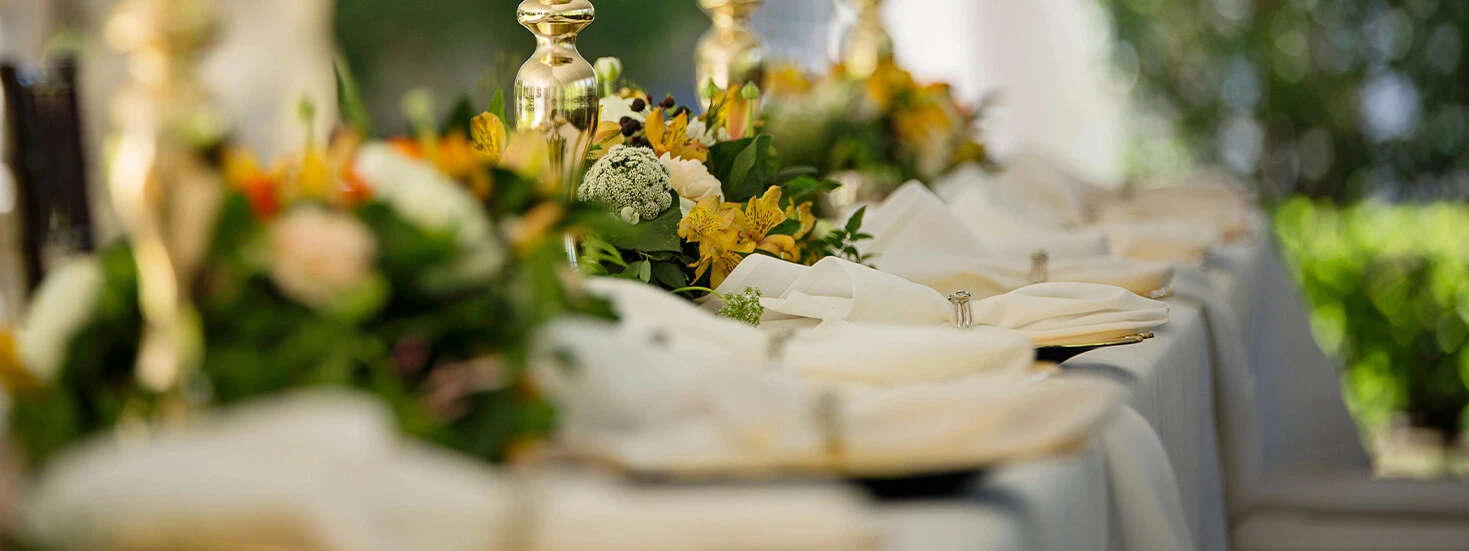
1033	187
1005	234
1071	313
918	237
1047	313
327	471
872	353
1207	198
1164	239
648	408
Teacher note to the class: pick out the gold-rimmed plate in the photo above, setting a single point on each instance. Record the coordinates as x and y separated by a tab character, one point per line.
1061	352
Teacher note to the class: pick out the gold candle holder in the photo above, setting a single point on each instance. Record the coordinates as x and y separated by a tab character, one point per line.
556	91
866	44
162	190
730	53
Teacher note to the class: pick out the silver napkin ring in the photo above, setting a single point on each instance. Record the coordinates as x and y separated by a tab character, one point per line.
963	317
1040	271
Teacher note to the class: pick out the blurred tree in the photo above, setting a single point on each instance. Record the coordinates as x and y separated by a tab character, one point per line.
1340	99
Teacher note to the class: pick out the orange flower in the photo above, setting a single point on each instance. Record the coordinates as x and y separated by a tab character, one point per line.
608	134
673	138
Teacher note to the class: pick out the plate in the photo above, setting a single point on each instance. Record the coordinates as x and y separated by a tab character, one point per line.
1061	352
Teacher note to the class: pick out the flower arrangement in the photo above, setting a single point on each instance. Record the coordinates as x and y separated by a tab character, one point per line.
415	268
886	126
733	196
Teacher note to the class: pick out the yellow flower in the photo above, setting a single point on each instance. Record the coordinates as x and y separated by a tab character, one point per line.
673	138
706	220
526	155
783	246
315	178
762	214
608	134
803	214
786	79
887	83
720	255
488	132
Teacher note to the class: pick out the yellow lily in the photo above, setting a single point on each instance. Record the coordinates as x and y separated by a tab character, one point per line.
762	214
706	220
673	137
488	133
720	255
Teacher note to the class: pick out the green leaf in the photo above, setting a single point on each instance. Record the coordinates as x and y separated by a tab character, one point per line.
670	274
802	188
747	173
497	105
350	106
855	222
658	234
793	172
645	271
789	227
459	116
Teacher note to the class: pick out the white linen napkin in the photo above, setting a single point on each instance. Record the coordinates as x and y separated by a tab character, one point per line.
838	352
917	237
650	409
1047	313
1206	198
323	470
1164	239
1034	188
1070	313
1005	234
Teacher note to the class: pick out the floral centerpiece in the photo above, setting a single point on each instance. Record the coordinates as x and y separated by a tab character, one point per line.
414	268
887	127
696	194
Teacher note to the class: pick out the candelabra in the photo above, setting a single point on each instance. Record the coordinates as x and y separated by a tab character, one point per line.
556	90
163	190
730	53
866	43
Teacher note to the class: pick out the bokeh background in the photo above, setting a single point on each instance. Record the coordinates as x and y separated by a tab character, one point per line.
1350	119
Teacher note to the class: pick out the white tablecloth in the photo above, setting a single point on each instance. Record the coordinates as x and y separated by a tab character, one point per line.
1203	418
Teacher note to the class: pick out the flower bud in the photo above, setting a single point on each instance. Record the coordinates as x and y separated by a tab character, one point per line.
609	69
750	91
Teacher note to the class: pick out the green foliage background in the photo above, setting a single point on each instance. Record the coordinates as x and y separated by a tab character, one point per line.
1324	104
1301	73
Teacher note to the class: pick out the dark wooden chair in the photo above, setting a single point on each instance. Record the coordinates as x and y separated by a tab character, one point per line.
44	149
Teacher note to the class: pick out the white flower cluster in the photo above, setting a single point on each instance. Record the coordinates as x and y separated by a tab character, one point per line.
427	198
628	177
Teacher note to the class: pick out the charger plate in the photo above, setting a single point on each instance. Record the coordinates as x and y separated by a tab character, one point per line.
1061	352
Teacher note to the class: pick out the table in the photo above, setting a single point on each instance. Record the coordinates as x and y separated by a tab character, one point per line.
1175	389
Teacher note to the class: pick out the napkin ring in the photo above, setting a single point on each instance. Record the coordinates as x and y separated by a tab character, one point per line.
963	317
775	349
1040	267
829	420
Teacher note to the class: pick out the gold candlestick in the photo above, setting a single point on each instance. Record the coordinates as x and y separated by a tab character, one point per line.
730	53
556	90
163	191
866	44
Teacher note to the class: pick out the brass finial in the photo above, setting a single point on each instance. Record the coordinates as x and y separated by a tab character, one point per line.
163	190
730	53
556	90
866	44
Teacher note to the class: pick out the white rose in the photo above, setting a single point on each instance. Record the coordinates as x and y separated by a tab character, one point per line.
698	131
429	199
692	181
65	302
615	108
317	254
